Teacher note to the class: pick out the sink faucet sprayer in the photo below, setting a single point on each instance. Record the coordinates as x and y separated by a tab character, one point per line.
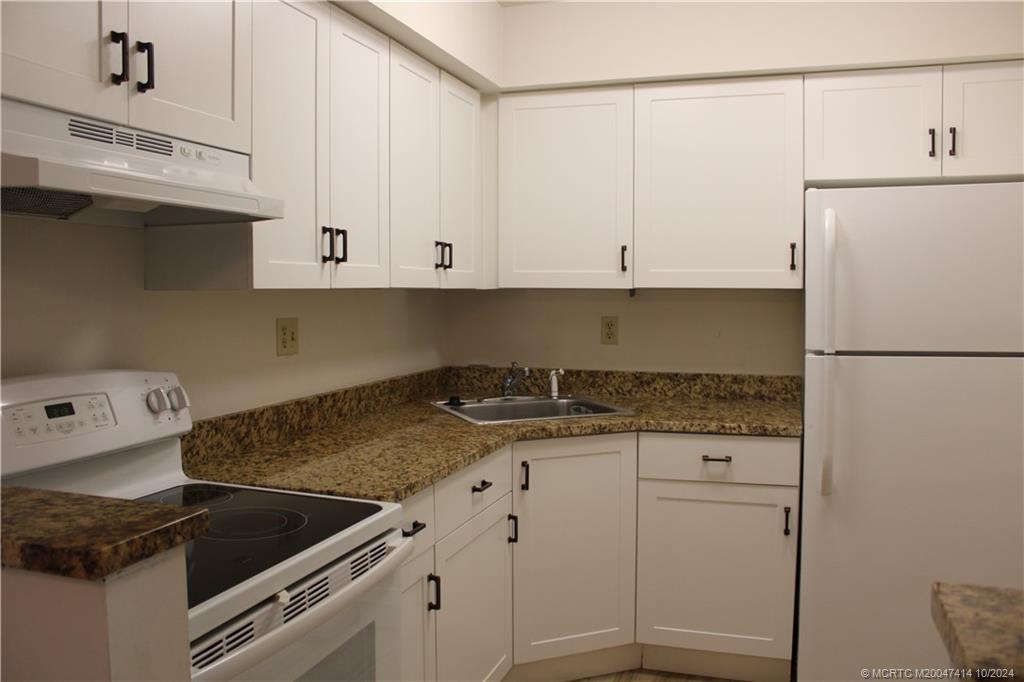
512	379
553	376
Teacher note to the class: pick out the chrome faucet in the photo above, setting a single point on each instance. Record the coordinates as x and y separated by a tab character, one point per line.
553	378
512	379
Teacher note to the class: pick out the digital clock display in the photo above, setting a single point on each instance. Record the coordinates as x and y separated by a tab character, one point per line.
59	410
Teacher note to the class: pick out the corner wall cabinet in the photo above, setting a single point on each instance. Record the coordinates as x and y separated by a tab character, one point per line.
937	121
719	184
135	63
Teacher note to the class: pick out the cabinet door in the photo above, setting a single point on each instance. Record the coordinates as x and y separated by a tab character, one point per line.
415	90
202	68
60	54
474	622
419	651
716	570
461	218
575	559
566	189
873	124
360	71
983	106
290	53
719	184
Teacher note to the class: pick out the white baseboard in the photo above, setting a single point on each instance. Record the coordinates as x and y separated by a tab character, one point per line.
713	664
577	666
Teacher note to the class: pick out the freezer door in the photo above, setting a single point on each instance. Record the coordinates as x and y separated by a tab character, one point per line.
916	269
926	485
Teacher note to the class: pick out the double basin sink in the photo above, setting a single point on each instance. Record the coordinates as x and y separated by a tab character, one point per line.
526	408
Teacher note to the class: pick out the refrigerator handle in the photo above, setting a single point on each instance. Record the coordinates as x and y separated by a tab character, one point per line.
829	288
827	381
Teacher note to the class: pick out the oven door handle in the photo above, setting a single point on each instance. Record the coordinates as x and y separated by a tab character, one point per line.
235	664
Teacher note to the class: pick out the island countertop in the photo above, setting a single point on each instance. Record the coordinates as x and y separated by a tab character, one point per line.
90	537
982	627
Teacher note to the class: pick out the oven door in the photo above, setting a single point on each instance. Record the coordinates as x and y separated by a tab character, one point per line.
352	635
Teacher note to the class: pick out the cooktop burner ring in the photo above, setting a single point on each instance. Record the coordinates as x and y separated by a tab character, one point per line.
245	524
206	495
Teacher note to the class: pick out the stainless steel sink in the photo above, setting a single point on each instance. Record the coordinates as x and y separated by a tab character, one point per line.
527	408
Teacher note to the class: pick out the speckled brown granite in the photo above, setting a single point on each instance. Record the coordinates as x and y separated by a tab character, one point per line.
396	447
982	627
84	536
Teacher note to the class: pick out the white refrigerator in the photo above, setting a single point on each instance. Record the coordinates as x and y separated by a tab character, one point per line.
914	416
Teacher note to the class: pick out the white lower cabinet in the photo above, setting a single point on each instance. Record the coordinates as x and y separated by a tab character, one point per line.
716	561
574	577
474	598
419	652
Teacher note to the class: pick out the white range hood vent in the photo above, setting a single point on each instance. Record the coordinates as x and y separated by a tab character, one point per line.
73	168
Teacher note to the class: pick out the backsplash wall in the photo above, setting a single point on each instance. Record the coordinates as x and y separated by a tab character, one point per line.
73	299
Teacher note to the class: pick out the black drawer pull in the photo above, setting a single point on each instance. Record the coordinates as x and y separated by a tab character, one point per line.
417	526
931	134
515	528
329	257
785	531
122	38
484	485
952	146
436	605
451	255
150	51
708	458
526	476
343	258
439	263
792	255
623	257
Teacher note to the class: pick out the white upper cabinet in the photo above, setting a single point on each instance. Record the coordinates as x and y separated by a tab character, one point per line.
461	217
719	184
198	69
983	119
868	124
359	186
566	189
290	135
575	559
63	55
415	191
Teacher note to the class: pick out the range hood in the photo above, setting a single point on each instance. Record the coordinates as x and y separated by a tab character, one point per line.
64	166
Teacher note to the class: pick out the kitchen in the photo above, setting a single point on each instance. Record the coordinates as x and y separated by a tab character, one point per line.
753	378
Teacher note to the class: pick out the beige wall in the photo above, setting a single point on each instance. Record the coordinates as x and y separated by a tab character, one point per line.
550	43
757	332
73	298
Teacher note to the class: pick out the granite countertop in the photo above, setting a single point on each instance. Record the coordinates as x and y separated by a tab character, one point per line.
982	627
84	536
395	452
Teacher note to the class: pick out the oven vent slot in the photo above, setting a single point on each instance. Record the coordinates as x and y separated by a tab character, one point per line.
242	635
318	591
154	145
87	130
123	137
214	652
368	560
295	606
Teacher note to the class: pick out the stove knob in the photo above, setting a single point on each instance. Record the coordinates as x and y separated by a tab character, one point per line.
157	400
179	399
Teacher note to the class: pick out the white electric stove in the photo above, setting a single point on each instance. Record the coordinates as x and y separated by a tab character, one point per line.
284	585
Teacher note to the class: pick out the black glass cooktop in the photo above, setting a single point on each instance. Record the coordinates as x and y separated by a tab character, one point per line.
252	530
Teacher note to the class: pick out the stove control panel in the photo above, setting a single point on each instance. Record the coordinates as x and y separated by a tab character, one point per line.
54	419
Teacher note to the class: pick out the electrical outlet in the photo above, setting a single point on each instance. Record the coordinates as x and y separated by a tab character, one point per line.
610	331
287	336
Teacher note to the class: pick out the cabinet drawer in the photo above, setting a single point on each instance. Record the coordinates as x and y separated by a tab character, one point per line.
416	510
456	500
749	459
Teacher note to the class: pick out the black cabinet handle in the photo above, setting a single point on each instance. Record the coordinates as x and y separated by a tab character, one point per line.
792	255
343	258
785	531
484	485
417	526
436	605
120	37
150	66
525	485
623	257
439	263
451	255
952	147
708	458
931	134
329	257
515	528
